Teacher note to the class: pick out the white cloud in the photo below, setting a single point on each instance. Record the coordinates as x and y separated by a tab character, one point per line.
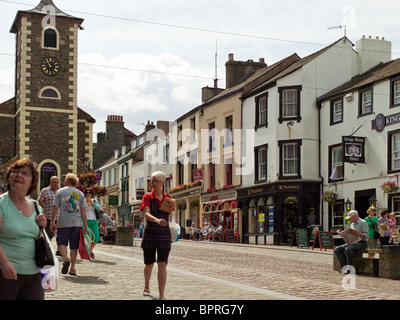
138	86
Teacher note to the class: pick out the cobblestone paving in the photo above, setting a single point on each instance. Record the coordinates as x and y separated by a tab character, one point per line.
207	270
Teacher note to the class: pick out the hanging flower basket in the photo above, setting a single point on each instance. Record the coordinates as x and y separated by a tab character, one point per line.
330	197
390	187
181	206
194	203
91	180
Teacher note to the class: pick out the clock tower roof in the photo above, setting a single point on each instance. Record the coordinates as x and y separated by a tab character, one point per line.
39	10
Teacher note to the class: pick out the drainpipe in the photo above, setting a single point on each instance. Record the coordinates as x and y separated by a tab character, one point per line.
319	165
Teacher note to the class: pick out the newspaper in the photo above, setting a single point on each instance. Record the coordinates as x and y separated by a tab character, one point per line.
348	236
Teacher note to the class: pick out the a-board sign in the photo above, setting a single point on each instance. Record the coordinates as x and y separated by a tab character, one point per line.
230	235
300	238
324	240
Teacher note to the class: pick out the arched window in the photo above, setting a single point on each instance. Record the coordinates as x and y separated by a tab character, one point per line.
50	93
50	38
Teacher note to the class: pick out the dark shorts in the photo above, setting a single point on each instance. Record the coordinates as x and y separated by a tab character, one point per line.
150	255
71	235
26	287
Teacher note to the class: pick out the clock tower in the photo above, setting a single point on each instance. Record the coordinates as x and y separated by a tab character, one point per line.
49	126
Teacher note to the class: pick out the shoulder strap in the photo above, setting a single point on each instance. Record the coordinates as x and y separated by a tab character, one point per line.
37	213
372	223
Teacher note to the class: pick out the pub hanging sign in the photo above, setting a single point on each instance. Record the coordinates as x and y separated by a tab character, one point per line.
353	149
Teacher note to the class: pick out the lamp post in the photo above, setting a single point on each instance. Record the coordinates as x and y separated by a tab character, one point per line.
346	221
372	202
348	204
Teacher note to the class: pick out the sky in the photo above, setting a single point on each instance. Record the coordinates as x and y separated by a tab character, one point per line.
148	60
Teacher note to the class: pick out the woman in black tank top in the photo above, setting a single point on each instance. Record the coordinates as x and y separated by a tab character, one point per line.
157	236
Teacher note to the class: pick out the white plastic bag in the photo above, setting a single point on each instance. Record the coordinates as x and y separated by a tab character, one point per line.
49	274
175	230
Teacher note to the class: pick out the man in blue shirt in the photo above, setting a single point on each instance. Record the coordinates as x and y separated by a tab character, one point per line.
359	227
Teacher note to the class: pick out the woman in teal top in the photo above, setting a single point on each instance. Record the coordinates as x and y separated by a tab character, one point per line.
19	227
372	222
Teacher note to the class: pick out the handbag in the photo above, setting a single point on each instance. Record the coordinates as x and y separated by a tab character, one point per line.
376	234
84	243
43	254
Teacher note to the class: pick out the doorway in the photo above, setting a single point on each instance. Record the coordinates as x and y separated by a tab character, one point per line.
47	171
290	209
362	201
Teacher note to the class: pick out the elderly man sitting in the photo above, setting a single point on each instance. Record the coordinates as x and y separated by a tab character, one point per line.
358	227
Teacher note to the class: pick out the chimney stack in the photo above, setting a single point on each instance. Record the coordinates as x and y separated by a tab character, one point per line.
237	70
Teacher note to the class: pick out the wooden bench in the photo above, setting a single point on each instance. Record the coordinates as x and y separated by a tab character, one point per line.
386	265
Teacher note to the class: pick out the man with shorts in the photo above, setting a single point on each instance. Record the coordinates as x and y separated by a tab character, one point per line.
71	205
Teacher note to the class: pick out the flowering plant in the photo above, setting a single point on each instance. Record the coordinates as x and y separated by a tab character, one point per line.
182	206
194	203
389	187
330	197
186	186
89	179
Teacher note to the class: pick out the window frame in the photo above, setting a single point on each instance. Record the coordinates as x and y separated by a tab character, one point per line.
332	148
361	106
257	150
393	81
390	151
211	137
296	117
57	34
258	122
282	144
333	111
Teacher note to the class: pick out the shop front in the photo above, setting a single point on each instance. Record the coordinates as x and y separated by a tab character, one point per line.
271	212
187	205
221	208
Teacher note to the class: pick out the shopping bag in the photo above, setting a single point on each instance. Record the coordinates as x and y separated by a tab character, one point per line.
165	205
175	230
84	244
49	273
